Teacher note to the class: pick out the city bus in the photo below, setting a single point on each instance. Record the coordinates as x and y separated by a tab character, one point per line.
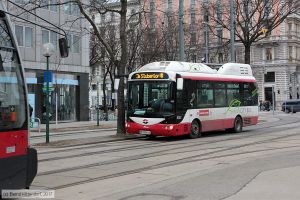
18	162
171	98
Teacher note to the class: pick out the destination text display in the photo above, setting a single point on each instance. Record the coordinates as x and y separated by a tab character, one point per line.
150	75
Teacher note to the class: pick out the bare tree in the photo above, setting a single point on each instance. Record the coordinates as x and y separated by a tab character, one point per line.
254	20
120	61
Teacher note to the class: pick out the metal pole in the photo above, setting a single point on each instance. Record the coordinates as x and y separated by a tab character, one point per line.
232	28
47	101
206	42
181	34
56	113
98	108
273	99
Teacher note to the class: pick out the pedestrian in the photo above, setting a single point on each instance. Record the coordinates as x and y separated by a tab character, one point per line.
30	110
260	105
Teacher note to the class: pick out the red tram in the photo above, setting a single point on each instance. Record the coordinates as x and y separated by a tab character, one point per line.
18	162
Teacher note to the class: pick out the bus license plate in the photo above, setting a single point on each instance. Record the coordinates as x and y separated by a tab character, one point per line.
145	132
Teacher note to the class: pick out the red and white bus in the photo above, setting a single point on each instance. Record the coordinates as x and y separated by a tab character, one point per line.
18	162
173	98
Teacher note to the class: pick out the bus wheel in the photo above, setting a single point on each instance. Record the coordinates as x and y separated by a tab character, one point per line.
195	130
238	125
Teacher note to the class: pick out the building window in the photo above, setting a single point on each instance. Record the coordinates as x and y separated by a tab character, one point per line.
19	35
49	5
22	1
290	53
68	8
290	27
270	77
112	17
53	6
49	36
170	4
76	10
28	37
193	18
193	38
75	44
152	14
102	18
298	53
220	58
269	54
220	36
24	34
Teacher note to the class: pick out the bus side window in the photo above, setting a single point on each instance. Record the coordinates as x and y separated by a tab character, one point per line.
205	95
233	94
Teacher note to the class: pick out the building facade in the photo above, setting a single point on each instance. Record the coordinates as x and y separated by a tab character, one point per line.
101	68
70	76
275	59
276	62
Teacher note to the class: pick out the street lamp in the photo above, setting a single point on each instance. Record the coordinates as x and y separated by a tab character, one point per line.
206	41
98	78
48	51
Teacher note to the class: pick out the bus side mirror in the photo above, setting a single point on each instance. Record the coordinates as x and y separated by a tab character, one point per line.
180	84
116	83
63	47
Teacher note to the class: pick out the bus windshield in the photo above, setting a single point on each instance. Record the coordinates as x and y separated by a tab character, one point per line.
151	98
12	90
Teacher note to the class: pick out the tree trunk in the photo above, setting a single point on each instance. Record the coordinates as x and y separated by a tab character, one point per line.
112	90
247	54
104	98
121	70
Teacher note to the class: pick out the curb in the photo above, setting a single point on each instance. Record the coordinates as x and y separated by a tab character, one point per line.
87	141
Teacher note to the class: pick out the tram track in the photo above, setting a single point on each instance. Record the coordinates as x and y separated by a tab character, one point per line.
143	146
154	154
189	159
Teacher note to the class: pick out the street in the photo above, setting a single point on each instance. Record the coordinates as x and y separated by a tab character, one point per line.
262	162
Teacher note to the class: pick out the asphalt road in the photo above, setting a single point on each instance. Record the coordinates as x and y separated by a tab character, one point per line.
262	162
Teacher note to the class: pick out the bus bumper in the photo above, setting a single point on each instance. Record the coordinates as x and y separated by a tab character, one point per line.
158	129
18	172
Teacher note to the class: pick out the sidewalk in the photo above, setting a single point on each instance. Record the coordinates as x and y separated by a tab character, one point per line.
76	126
67	134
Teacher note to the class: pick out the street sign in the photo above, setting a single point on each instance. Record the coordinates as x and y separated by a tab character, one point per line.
51	88
48	78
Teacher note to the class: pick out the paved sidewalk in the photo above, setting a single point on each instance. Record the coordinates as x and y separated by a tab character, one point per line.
76	126
99	134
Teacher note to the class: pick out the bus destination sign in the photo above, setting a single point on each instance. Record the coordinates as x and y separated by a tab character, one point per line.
150	75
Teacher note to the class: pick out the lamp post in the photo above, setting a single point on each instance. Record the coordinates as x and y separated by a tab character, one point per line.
181	32
232	28
98	101
206	40
48	51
